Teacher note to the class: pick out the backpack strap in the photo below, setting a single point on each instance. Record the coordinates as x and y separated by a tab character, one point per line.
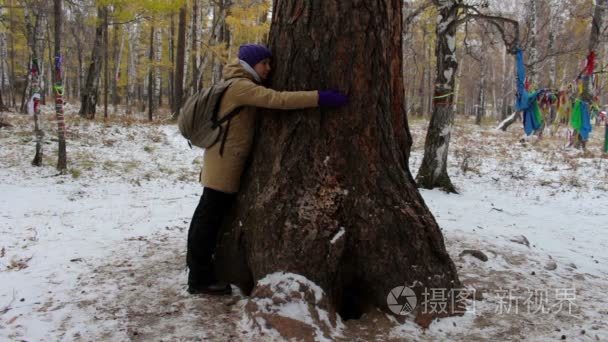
227	119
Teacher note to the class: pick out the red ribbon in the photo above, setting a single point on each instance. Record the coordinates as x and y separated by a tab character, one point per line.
590	63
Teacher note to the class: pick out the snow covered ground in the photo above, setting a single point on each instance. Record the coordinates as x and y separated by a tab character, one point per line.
98	254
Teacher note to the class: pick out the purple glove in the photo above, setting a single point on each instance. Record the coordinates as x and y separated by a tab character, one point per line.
332	98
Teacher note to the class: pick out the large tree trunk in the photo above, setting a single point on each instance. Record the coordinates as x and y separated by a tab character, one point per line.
58	87
433	170
91	87
179	62
327	194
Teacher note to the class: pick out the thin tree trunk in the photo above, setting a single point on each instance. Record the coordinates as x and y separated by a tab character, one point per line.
552	66
117	60
58	87
330	184
90	91
106	64
3	67
34	70
533	37
171	90
132	67
222	36
433	170
506	85
79	53
46	85
3	107
151	75
422	96
179	63
495	114
597	27
481	98
429	85
194	53
158	54
457	91
12	53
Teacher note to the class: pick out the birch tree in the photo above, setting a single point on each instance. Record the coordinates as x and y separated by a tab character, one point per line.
433	170
59	90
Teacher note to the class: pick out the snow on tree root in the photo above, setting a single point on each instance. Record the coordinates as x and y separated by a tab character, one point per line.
289	306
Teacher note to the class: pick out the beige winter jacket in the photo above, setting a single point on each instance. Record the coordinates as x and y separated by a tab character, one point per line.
223	173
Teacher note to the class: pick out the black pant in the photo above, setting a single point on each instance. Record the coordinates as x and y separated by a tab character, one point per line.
202	236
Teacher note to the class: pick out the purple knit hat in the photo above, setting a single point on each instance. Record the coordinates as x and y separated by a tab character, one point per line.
253	53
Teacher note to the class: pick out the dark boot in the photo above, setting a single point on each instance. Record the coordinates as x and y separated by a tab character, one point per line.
217	289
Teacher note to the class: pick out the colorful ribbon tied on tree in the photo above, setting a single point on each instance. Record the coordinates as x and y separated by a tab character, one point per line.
526	101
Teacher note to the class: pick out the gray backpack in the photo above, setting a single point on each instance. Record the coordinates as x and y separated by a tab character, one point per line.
198	119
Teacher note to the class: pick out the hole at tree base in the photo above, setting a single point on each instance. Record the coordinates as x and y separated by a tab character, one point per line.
353	303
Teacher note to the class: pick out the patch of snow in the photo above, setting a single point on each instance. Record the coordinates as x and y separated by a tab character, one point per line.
338	235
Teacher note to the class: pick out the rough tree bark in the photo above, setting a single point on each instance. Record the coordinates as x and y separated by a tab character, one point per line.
58	88
328	194
433	170
90	90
